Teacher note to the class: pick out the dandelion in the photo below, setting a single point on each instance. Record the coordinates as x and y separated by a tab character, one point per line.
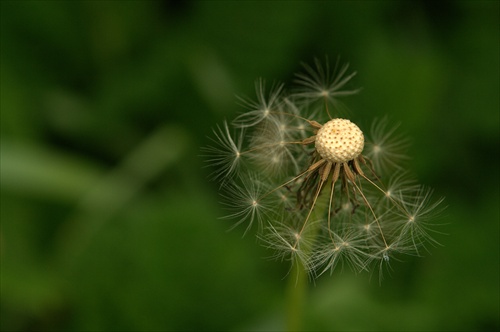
322	192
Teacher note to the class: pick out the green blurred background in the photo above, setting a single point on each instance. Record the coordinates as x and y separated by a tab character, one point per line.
108	220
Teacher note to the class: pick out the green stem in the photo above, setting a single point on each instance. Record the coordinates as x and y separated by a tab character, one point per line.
297	283
296	293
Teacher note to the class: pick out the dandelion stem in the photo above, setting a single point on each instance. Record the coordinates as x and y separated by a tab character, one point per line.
297	284
296	294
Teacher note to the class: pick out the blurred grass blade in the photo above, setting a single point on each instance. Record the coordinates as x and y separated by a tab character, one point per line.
29	169
162	149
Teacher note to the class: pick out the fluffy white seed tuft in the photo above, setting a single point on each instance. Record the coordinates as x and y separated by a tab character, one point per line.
339	141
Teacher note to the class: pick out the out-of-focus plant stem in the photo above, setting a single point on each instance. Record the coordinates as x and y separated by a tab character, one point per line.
296	295
298	278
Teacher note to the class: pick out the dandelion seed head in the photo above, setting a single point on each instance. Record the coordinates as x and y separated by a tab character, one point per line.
321	192
339	141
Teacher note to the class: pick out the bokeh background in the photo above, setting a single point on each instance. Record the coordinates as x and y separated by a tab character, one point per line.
109	221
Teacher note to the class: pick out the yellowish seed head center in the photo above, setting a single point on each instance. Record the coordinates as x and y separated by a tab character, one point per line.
339	141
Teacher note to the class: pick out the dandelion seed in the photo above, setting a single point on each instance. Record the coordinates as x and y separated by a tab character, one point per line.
225	154
245	202
322	84
287	242
349	249
261	109
385	148
415	216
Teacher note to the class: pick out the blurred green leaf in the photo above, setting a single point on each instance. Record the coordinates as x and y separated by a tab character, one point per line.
28	169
